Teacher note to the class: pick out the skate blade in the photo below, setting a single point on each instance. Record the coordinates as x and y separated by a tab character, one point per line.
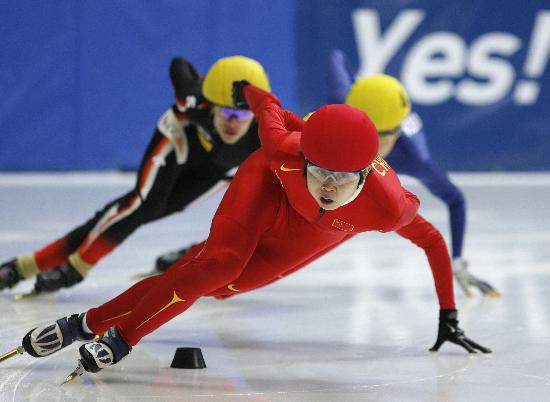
495	293
17	351
28	295
76	373
144	275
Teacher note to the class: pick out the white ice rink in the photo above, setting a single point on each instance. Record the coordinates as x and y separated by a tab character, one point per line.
354	326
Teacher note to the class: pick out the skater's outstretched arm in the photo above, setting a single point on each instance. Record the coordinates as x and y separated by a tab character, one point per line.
425	235
339	77
277	127
422	233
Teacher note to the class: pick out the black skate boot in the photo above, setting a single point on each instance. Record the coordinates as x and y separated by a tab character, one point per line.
165	261
47	339
64	276
9	275
109	350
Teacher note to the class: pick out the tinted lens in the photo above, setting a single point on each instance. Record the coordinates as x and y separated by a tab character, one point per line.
239	114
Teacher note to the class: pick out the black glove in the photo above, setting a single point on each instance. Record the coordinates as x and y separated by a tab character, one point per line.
449	331
237	95
64	276
185	79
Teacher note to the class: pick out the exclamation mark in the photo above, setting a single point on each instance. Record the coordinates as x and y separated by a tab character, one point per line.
527	90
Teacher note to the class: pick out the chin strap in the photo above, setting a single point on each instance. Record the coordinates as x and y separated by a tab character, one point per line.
358	190
355	194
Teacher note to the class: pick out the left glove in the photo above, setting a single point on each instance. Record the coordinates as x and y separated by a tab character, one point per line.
64	276
185	78
466	280
237	94
449	331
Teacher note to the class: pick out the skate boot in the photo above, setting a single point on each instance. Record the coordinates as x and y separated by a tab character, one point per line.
109	350
47	339
9	275
165	261
64	276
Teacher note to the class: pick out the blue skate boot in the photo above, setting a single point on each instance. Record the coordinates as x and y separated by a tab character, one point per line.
109	350
47	339
97	355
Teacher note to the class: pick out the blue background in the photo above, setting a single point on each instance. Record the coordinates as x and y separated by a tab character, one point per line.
82	83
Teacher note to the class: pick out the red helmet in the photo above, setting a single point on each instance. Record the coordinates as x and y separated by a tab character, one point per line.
340	138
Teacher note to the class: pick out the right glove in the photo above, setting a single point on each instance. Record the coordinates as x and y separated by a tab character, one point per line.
466	280
237	95
64	276
449	331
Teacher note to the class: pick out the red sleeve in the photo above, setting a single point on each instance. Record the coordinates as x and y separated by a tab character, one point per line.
408	209
274	123
385	189
293	122
426	236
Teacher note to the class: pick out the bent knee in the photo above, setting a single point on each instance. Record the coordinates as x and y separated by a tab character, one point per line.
435	240
216	270
456	197
228	266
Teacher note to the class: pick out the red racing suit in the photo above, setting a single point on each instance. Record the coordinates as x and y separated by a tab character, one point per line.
267	226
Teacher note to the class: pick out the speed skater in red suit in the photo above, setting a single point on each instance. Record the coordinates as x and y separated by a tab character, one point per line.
311	186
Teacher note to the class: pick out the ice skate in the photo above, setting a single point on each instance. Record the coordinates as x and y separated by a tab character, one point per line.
9	275
14	352
97	355
28	295
164	262
64	276
50	338
467	280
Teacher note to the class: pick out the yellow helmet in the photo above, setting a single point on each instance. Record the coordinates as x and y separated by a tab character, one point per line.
383	98
218	82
